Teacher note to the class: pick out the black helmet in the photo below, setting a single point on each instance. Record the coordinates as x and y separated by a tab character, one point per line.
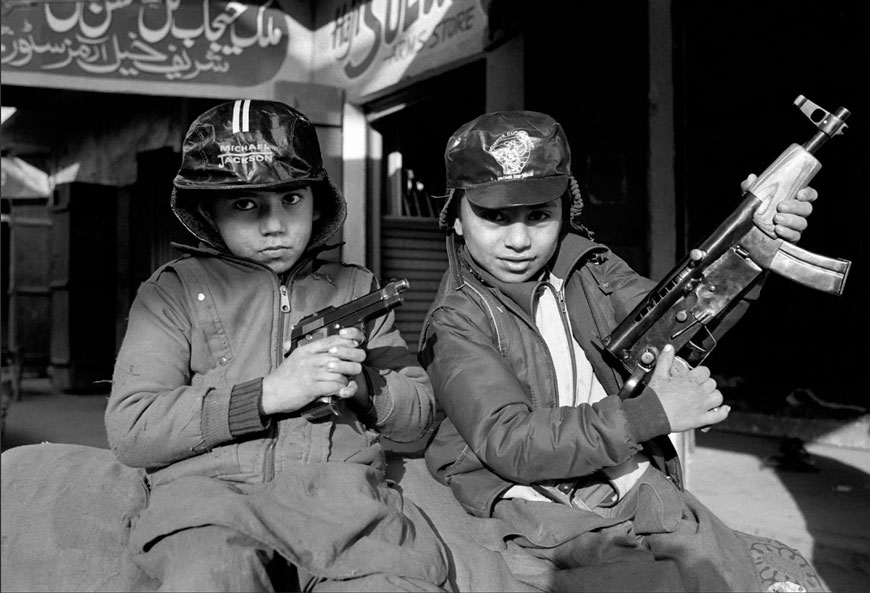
253	144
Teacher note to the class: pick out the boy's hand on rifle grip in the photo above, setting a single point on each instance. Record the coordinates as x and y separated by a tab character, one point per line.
314	369
690	399
790	220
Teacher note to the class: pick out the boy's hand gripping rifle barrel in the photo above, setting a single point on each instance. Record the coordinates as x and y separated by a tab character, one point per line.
330	320
706	282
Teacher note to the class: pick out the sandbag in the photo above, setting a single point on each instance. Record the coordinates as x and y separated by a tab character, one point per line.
65	519
66	513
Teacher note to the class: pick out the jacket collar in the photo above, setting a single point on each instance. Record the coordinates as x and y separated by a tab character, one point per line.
572	250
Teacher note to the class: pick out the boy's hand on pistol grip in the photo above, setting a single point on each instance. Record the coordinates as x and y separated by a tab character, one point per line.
314	369
689	396
356	385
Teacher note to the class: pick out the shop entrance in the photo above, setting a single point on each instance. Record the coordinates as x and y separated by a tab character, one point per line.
408	132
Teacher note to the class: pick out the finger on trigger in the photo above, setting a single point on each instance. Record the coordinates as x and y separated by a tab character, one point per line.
351	333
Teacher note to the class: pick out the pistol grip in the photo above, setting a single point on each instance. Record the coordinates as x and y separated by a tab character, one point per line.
320	407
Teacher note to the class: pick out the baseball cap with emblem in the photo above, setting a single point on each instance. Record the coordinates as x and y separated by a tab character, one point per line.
508	158
253	145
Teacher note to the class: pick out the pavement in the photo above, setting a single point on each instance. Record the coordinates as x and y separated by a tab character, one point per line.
814	496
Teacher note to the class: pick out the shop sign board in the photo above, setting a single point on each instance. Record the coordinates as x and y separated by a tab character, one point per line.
166	47
364	46
221	48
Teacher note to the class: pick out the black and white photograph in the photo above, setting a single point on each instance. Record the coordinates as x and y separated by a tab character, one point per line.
434	295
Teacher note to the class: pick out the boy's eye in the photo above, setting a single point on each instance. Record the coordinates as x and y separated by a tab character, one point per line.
493	215
539	215
243	204
292	198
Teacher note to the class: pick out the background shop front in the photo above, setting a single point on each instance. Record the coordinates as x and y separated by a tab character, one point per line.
667	106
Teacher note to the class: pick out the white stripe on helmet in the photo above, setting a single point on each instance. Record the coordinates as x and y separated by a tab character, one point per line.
236	107
246	118
242	116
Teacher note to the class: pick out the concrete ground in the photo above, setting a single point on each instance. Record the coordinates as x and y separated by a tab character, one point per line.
818	503
821	509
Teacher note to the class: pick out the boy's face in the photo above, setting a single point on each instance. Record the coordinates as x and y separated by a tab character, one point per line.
269	227
512	244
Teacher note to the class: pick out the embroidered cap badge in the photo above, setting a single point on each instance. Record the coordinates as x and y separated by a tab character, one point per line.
512	150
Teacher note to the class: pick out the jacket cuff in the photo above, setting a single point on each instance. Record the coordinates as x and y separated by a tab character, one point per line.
215	407
646	416
244	411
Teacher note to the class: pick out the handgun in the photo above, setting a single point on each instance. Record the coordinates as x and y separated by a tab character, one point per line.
706	282
328	322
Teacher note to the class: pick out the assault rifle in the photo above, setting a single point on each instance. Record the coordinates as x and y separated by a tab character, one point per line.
330	320
703	285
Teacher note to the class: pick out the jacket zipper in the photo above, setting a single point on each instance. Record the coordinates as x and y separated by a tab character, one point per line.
552	366
566	324
285	300
269	457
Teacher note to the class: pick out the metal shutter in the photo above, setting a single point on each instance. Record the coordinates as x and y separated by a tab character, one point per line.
413	248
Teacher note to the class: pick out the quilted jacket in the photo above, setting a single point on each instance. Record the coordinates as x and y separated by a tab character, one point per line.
495	383
208	323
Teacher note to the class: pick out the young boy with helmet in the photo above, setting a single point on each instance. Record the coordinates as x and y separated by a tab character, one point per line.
245	492
587	486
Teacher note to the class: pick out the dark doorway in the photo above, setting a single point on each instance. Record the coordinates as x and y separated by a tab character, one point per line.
411	129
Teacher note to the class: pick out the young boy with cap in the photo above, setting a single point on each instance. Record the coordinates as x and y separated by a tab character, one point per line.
587	486
245	492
